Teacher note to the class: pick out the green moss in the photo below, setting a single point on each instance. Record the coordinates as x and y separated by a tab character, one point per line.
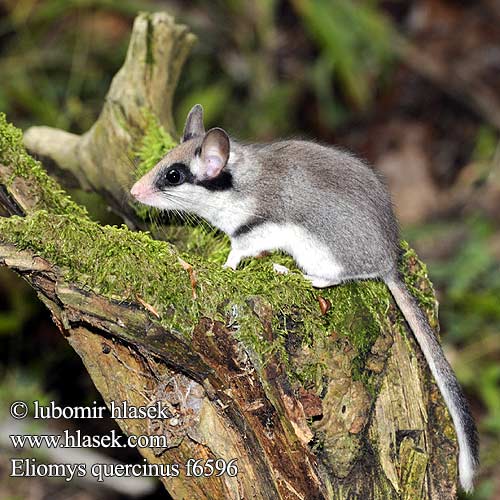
358	314
122	264
112	261
153	146
417	280
46	193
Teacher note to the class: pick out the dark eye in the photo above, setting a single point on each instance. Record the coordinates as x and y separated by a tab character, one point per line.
174	176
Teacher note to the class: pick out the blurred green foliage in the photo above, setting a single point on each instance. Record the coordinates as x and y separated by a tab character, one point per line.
255	61
58	57
355	44
470	278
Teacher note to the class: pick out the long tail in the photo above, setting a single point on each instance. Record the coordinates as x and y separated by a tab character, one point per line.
468	459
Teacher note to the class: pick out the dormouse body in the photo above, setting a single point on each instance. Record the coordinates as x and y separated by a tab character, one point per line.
324	207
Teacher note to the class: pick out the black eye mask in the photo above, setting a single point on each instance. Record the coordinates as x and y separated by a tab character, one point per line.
179	173
173	175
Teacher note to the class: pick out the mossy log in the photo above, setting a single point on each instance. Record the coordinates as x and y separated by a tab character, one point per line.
317	394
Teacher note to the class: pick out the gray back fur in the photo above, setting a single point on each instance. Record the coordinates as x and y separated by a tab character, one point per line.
329	192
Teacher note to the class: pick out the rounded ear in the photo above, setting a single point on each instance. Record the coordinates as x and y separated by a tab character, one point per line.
214	153
194	123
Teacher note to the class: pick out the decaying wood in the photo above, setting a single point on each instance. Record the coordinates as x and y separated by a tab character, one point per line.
391	439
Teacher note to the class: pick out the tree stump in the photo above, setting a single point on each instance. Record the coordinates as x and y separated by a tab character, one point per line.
316	394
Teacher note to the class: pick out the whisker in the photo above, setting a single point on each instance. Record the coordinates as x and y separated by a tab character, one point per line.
186	203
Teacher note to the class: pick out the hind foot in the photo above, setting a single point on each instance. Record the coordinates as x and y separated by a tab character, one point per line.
318	282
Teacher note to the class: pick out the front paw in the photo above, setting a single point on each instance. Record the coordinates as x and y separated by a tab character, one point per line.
233	260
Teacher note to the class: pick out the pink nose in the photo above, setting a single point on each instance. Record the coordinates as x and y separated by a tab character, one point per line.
140	191
135	190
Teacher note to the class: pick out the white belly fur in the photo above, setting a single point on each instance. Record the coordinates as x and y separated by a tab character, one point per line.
311	255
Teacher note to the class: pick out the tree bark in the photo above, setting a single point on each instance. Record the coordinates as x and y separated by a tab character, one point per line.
317	394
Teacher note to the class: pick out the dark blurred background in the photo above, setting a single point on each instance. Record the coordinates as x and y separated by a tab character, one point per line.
413	86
